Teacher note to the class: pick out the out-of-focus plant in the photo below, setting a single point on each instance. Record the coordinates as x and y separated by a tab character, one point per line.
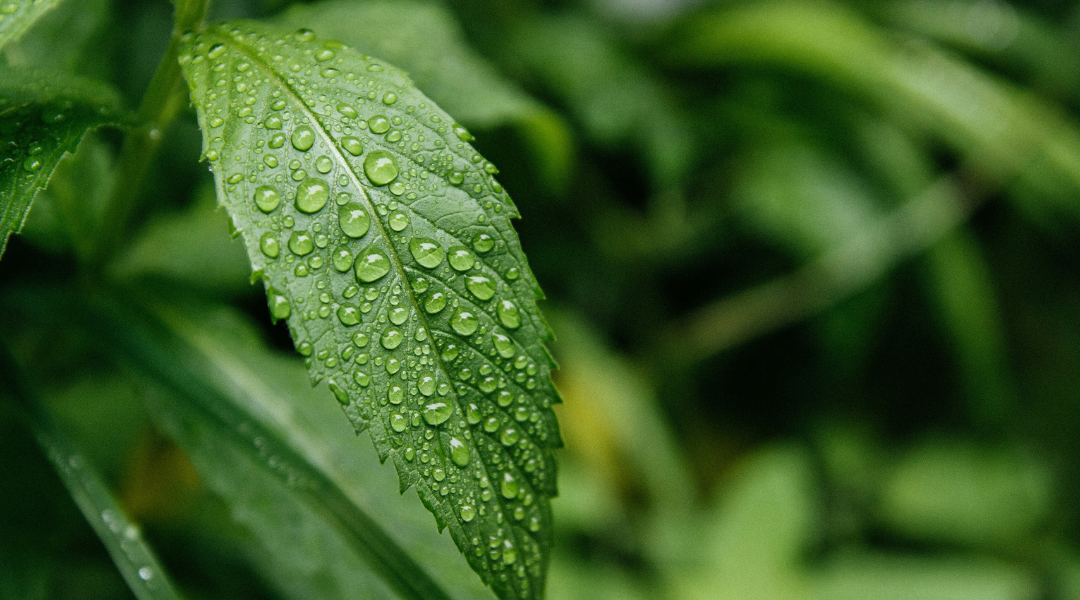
812	270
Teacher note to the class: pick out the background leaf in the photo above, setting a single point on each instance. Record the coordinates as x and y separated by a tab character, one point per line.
386	244
236	407
135	559
42	117
16	16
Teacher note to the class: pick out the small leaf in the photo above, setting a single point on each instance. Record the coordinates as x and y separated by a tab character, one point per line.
386	244
42	117
16	16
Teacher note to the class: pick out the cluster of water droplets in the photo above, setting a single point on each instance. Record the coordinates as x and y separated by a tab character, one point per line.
34	134
386	245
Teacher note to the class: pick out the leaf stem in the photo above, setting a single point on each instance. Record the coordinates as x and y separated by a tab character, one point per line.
164	98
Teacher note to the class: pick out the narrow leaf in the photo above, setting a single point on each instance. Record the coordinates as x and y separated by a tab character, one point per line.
260	440
386	244
16	16
42	117
133	557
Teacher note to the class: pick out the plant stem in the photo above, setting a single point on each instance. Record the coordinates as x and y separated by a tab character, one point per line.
163	99
835	275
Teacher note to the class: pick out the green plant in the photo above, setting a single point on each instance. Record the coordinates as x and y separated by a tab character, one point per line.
811	263
384	242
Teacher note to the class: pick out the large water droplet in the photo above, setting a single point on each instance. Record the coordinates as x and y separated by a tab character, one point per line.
300	243
269	245
503	344
354	221
509	486
311	195
303	138
398	422
339	392
380	167
398	221
33	163
426	385
468	513
348	315
509	553
347	110
215	51
509	436
391	338
279	306
323	164
267	198
398	315
464	322
426	252
459	452
342	259
435	302
483	243
352	145
396	395
371	264
379	124
437	413
509	314
481	286
461	259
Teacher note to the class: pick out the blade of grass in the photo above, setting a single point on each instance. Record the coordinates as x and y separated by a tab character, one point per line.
134	558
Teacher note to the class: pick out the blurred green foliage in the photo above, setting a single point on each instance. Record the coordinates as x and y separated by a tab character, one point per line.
812	267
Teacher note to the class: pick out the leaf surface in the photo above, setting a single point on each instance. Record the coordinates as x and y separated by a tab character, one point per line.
43	116
386	243
16	16
424	39
327	518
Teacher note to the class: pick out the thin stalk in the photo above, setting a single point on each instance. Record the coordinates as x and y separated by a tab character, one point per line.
837	274
164	98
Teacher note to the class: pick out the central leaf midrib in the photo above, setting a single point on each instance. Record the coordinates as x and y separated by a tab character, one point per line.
399	267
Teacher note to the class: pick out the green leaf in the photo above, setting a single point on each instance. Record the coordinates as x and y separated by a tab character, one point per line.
424	39
16	16
616	99
70	210
1009	133
961	493
192	248
407	292
71	38
133	556
42	117
328	517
